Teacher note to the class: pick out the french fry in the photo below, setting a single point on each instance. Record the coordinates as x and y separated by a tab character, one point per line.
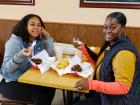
62	64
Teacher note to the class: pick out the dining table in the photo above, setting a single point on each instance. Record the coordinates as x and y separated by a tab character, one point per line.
51	79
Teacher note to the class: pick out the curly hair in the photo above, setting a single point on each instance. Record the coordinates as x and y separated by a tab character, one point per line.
20	29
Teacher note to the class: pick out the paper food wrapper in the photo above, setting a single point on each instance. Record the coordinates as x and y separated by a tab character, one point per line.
46	61
87	68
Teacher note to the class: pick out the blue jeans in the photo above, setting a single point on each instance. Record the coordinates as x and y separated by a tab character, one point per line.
37	95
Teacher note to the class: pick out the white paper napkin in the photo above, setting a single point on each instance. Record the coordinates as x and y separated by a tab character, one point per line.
87	68
46	61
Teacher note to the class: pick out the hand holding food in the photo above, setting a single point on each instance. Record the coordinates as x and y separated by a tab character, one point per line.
77	44
26	52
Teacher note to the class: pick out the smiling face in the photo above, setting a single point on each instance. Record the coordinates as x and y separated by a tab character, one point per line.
34	28
112	30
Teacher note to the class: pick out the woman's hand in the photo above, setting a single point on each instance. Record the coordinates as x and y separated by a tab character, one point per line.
43	33
77	44
26	52
82	84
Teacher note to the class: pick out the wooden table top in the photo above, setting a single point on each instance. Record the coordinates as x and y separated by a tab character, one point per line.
50	79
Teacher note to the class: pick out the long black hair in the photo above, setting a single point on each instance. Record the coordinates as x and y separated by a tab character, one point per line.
21	27
121	19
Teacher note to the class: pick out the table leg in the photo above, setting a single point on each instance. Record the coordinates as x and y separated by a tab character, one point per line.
69	97
64	97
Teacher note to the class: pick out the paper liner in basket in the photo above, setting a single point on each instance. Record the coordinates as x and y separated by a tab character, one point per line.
46	61
87	68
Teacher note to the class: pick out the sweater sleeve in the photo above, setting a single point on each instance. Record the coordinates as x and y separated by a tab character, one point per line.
49	45
13	57
108	87
91	56
124	68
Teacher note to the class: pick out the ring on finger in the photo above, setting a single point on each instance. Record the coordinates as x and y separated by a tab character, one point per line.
79	88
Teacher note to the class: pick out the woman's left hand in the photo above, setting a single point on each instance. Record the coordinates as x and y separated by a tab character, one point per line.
44	33
82	84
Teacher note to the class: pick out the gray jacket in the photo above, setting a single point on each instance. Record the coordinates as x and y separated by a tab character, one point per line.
14	63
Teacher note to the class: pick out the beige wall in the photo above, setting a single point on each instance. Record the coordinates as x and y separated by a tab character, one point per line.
66	11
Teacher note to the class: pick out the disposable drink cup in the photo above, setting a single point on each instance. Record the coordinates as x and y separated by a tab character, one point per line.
59	52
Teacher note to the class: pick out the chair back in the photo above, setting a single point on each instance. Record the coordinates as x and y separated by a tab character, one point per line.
2	43
6	101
